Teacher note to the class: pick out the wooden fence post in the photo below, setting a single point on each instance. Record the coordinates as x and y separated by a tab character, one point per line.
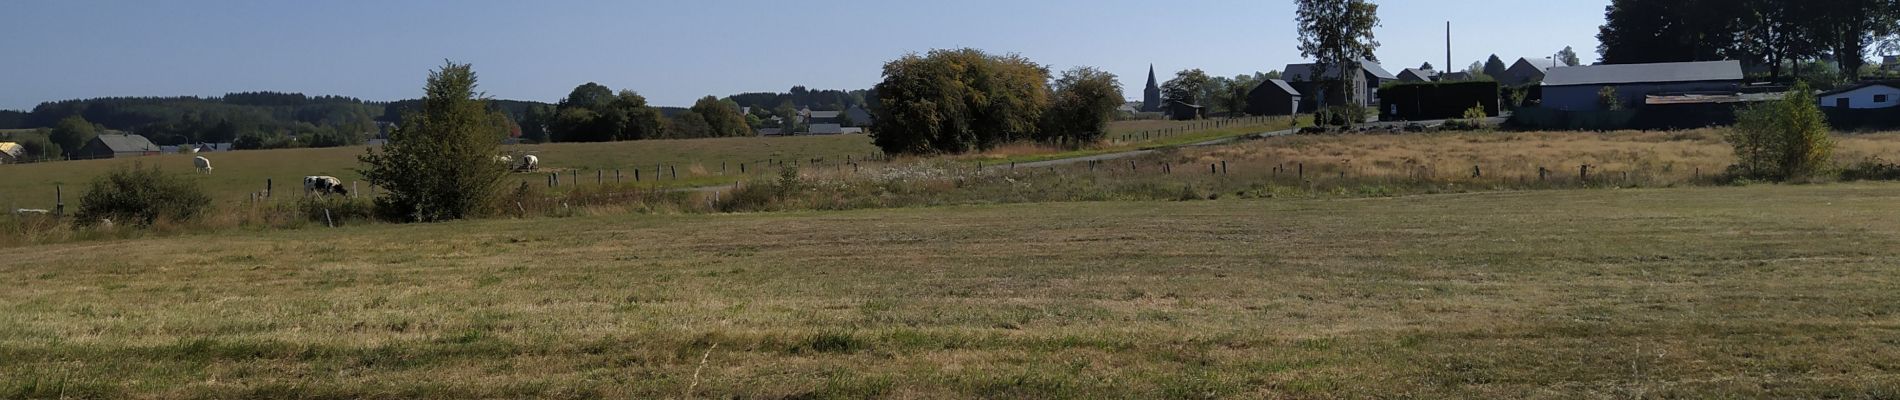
59	202
1583	172
1223	167
267	187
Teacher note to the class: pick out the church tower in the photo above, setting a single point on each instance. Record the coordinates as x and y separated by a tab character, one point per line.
1151	98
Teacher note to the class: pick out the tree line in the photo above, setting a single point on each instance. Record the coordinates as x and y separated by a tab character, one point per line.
1765	33
955	101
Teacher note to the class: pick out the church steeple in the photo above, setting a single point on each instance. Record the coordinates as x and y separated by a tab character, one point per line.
1151	98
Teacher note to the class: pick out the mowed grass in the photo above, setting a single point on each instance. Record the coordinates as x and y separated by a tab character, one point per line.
1762	291
239	173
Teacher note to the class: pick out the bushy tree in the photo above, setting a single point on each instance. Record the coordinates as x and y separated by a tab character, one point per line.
141	196
72	133
1336	34
1568	57
1084	102
594	113
1186	87
1495	66
722	117
439	164
954	101
1781	140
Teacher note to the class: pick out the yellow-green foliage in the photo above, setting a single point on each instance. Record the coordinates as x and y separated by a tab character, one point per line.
1782	140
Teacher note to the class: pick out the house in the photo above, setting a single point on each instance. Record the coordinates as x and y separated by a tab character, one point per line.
1864	95
1577	88
117	144
1306	80
807	116
11	153
1274	97
1182	111
220	147
1417	75
1526	71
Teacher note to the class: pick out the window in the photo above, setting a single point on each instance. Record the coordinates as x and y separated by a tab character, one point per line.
1880	98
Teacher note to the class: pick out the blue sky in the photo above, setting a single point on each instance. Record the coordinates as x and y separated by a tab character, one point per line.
676	51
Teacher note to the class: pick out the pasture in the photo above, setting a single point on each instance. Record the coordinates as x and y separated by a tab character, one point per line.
1760	291
238	173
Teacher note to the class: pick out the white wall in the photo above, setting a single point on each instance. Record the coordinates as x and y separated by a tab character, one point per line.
1863	98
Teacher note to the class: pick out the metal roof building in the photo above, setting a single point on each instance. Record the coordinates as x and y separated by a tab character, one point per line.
1577	88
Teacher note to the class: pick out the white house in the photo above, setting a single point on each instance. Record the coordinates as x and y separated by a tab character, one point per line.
1863	96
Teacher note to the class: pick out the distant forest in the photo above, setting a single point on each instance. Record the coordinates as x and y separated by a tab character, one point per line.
275	120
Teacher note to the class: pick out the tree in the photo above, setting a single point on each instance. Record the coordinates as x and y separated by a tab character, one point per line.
1336	34
1568	56
1784	139
1188	86
1495	66
688	124
1084	102
1427	66
954	101
73	133
439	164
722	117
1846	28
632	119
1650	31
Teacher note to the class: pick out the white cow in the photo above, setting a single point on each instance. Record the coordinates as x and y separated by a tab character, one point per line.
204	164
324	185
529	163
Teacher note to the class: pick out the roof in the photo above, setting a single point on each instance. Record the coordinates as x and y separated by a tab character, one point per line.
1542	64
12	149
825	114
1859	86
1710	98
1645	73
1300	72
1278	84
1425	74
126	143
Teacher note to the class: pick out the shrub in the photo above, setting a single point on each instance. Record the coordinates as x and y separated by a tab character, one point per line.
141	196
335	209
439	164
1340	116
1607	98
1781	140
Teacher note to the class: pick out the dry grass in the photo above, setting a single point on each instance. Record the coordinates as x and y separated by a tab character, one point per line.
1550	294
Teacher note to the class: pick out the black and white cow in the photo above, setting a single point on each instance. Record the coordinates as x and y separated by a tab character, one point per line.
323	185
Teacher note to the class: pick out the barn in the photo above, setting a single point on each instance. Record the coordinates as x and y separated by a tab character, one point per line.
1273	97
117	144
1577	88
1862	96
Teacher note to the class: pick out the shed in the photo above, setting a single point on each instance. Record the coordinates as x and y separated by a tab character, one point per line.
11	153
826	129
1576	88
1273	97
1864	95
118	144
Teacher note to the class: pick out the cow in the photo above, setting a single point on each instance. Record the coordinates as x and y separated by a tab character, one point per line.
204	164
504	160
529	163
324	185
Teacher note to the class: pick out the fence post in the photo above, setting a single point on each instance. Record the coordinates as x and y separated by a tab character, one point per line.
676	171
636	174
1213	169
1302	171
1542	173
742	168
1583	173
1476	173
267	187
616	175
600	177
1223	167
59	202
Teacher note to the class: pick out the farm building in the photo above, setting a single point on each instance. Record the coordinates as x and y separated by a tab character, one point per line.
11	152
1306	80
1273	97
819	117
1864	95
860	117
1182	111
1526	71
1417	75
825	129
1577	88
114	145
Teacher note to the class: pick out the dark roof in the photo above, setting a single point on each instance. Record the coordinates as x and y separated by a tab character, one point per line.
825	114
1645	73
126	143
859	114
1859	86
1300	72
1424	74
1277	84
1542	64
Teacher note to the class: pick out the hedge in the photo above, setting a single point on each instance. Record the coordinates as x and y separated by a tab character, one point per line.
1436	100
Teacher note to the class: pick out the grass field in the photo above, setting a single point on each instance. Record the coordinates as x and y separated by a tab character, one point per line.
1762	291
238	173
